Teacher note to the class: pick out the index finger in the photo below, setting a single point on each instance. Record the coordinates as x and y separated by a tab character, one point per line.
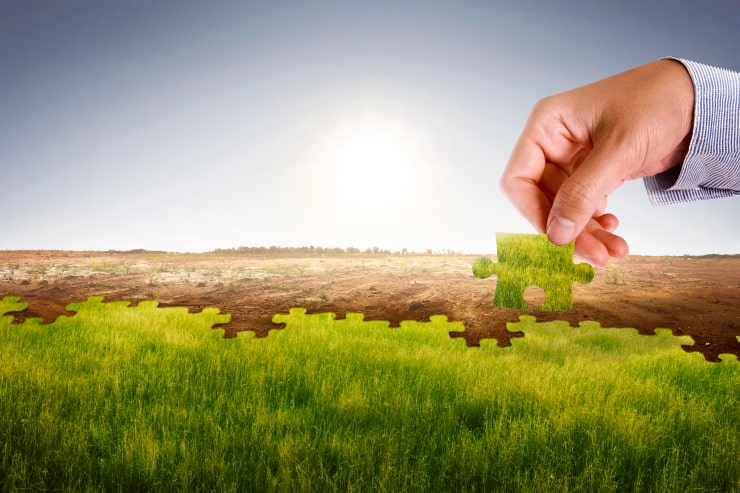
520	182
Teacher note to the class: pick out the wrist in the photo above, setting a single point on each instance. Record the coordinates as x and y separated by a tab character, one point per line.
682	89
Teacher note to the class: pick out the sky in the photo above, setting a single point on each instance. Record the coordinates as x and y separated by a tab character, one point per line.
191	126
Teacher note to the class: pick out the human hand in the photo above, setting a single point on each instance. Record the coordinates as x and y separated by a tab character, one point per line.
579	146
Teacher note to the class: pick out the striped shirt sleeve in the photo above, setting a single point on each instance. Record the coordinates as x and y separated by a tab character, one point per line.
711	168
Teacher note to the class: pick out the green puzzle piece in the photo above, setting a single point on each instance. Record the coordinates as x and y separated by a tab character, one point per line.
530	259
146	315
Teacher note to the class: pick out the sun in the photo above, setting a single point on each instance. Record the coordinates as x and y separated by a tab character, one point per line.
373	173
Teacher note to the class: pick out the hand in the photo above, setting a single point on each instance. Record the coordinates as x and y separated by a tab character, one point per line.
579	146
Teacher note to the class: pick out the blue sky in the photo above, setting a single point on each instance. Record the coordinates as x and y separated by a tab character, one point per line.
190	126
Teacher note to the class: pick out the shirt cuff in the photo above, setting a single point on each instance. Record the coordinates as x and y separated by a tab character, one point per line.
711	168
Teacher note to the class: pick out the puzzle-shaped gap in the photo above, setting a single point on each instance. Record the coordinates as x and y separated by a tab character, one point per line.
534	297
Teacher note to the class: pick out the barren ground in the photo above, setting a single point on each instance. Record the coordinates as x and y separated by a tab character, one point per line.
696	296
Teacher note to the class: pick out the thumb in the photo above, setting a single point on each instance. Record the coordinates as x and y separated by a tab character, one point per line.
581	194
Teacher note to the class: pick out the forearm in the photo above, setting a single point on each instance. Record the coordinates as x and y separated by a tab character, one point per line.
711	168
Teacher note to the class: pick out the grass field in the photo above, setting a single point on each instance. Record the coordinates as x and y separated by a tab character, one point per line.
154	399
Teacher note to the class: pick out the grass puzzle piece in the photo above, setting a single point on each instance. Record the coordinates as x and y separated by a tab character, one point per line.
117	313
589	337
438	328
147	310
531	259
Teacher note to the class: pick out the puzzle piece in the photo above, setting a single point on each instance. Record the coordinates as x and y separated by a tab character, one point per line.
591	337
530	259
93	311
438	328
146	310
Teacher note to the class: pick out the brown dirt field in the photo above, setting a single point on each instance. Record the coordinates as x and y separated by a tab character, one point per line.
696	296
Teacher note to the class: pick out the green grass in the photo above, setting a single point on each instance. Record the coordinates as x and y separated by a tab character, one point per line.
529	259
153	399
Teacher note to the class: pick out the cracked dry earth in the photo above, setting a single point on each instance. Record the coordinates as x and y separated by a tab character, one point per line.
695	296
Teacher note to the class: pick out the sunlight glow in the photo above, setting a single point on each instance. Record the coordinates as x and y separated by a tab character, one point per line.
373	174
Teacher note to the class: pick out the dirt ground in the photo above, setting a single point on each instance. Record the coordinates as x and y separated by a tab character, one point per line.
696	296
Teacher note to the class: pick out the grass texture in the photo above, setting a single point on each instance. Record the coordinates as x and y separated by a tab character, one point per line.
117	398
530	259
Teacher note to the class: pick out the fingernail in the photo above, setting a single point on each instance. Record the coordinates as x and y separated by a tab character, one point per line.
561	231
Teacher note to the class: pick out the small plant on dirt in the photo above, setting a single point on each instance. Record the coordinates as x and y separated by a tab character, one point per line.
613	275
216	276
273	286
100	284
39	271
152	276
278	270
406	271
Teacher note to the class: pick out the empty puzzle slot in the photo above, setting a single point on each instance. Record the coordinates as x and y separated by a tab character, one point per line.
534	297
